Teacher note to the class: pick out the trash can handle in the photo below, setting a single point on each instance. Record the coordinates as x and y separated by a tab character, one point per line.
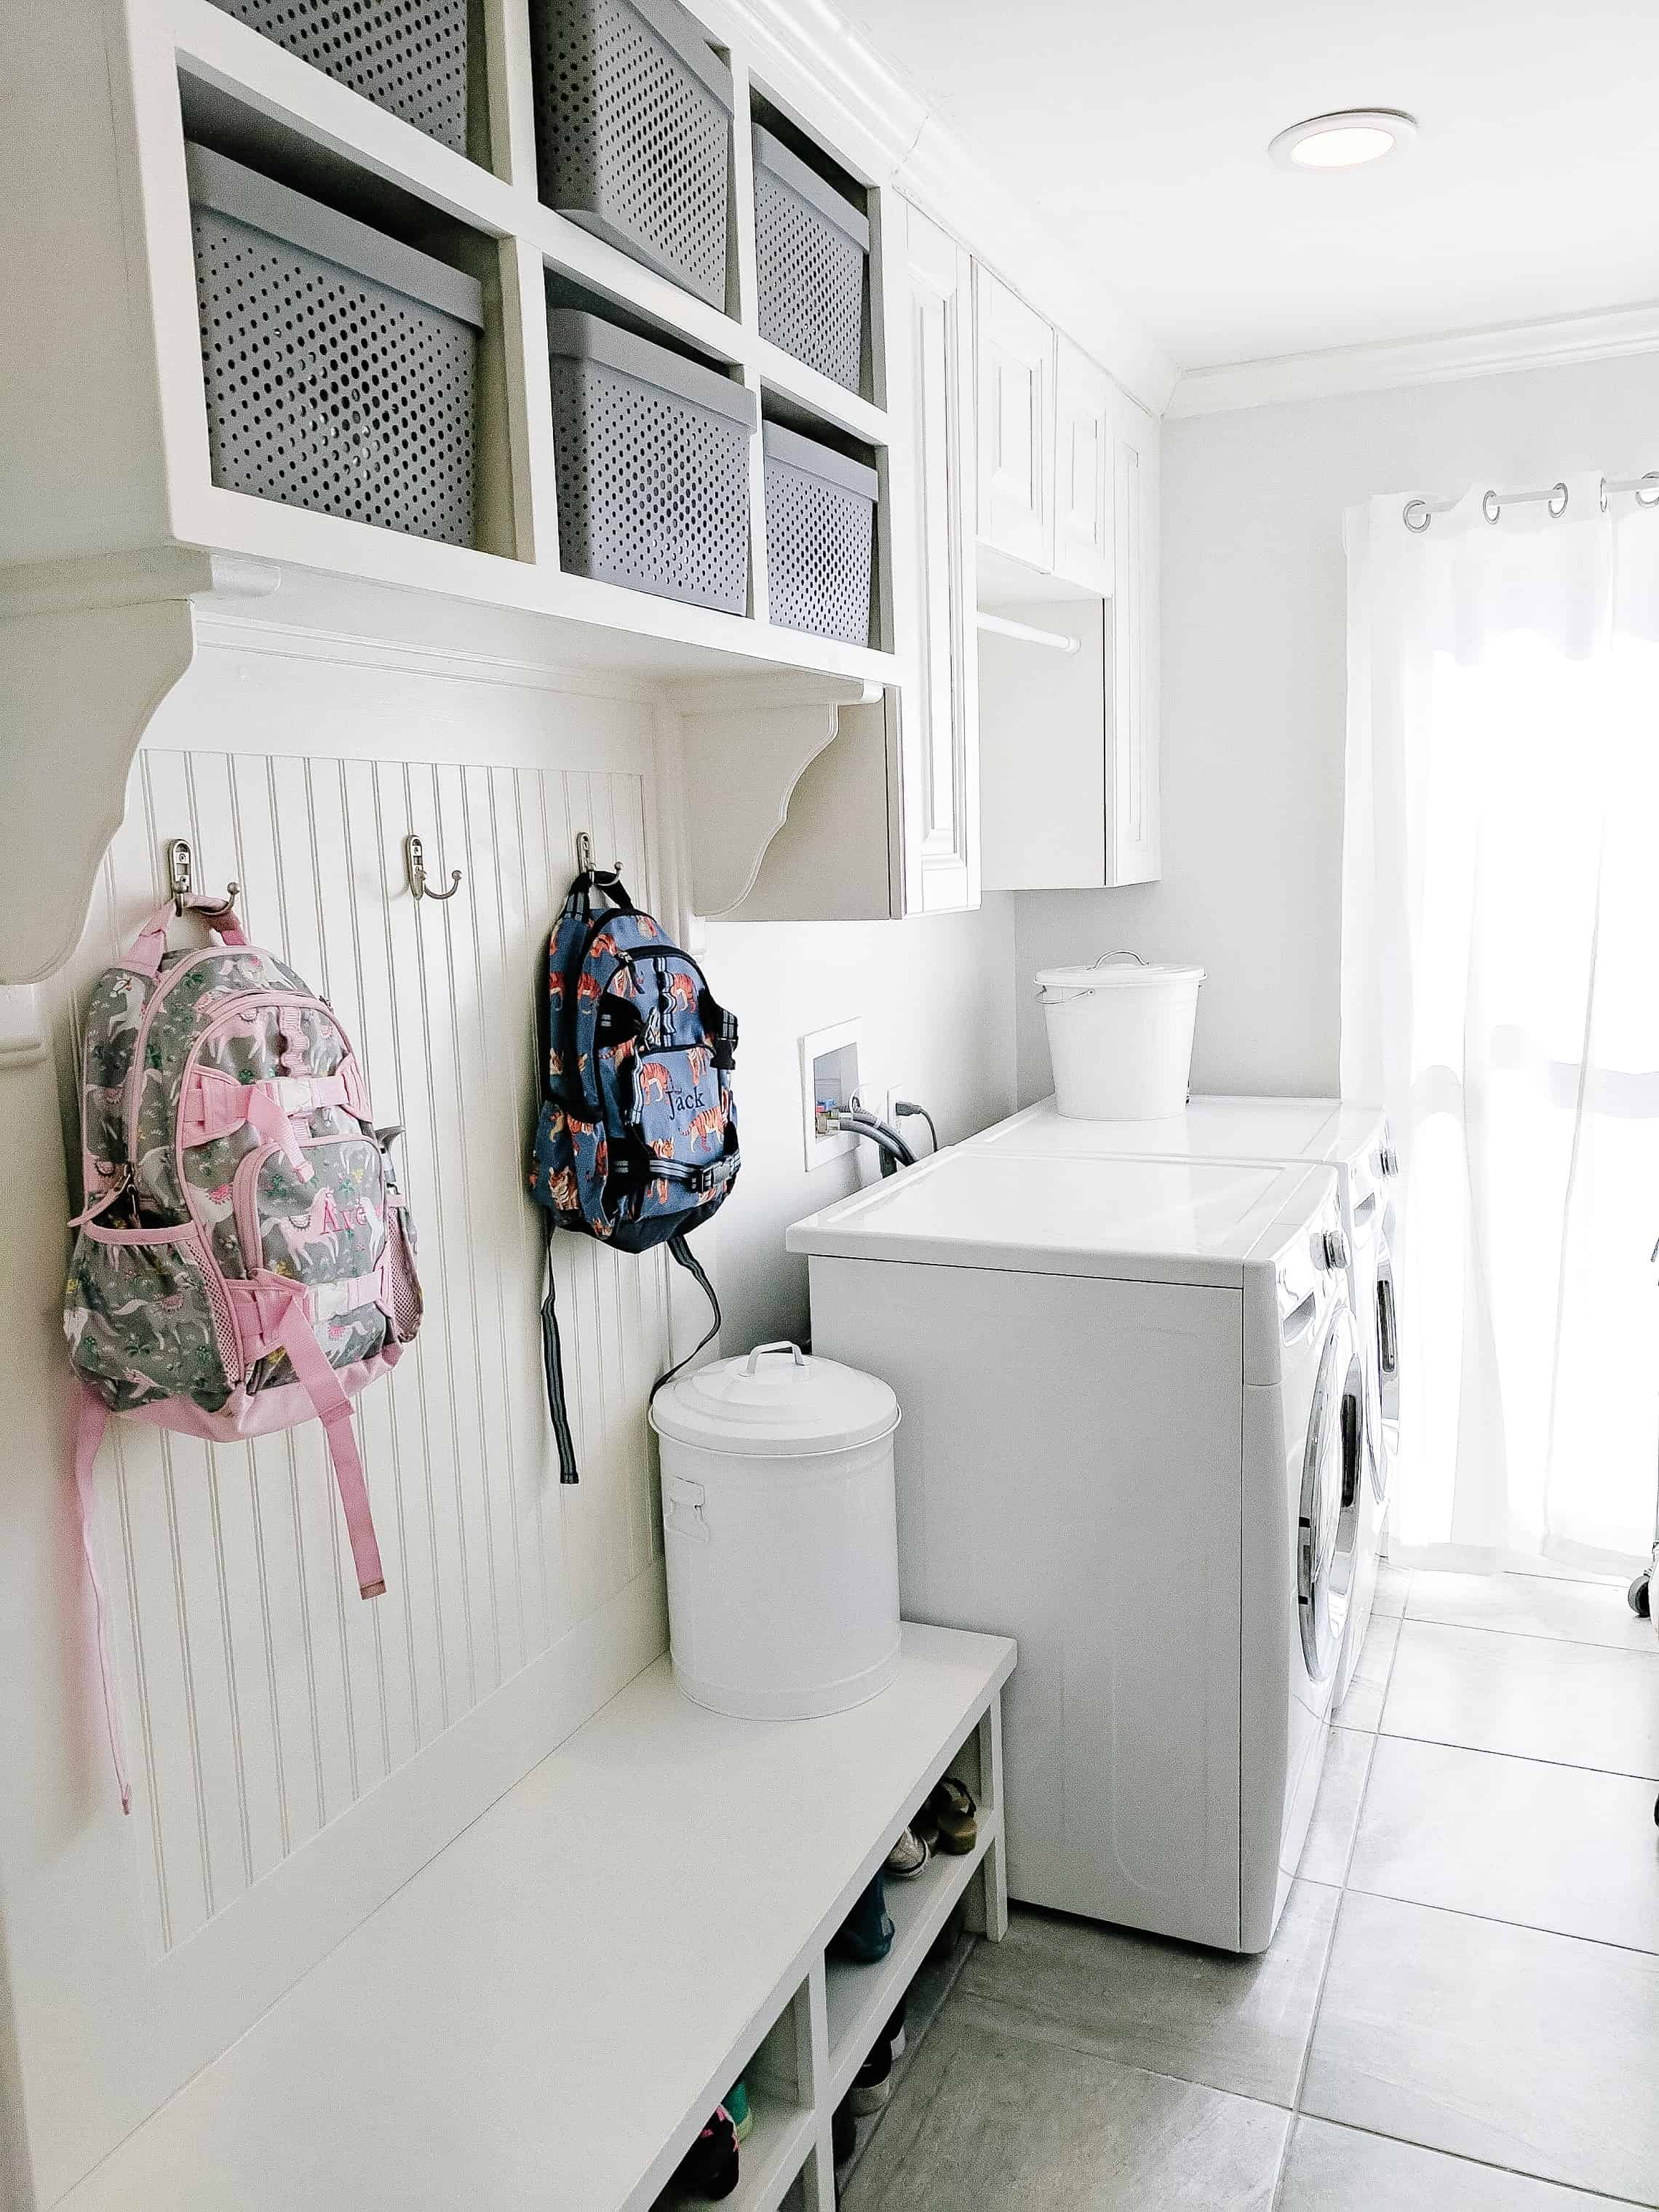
782	1344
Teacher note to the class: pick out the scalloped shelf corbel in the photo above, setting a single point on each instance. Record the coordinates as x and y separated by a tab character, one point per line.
745	744
89	650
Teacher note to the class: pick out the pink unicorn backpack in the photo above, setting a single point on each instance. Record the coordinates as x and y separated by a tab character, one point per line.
244	1261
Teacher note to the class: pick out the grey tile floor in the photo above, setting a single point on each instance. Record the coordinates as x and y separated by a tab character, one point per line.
1461	2009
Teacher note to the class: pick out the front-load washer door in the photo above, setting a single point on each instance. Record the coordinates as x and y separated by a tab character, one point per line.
1327	1525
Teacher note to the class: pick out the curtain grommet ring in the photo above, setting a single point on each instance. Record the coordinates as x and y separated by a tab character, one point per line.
1557	501
1601	495
1649	498
1490	506
1416	516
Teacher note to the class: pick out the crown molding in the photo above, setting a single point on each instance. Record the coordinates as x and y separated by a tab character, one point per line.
1382	368
807	56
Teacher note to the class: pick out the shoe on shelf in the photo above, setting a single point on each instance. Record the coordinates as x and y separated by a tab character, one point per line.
893	2033
951	1815
709	2169
872	2085
866	1934
738	2112
843	2132
908	1857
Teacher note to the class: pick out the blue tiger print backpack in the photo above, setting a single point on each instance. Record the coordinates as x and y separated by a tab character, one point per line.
637	1139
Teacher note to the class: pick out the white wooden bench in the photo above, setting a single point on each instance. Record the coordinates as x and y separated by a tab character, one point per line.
546	2014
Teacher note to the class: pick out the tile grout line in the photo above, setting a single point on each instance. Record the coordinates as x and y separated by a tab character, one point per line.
1336	1921
1524	1635
1484	2165
1530	1758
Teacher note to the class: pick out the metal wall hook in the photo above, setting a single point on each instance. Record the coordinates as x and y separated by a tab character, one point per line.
181	873
415	870
585	864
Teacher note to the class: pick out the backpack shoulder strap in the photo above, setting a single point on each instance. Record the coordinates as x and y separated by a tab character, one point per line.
145	952
681	1252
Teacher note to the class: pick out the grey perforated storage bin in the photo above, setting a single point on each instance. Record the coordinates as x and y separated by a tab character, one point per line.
340	365
634	131
407	56
820	536
652	464
812	248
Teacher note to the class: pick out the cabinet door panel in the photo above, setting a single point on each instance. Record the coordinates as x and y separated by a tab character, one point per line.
1132	826
1015	393
941	759
1084	537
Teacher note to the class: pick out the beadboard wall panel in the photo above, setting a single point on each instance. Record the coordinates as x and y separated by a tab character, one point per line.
296	1750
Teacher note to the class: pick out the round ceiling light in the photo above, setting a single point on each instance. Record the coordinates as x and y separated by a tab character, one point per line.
1347	140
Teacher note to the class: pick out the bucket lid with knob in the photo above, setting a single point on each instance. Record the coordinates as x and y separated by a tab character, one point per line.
1115	971
776	1402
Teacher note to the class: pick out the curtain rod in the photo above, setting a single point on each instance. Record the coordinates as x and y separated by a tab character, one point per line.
1418	514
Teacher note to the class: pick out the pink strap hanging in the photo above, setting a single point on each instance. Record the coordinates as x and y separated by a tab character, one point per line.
296	1337
89	1426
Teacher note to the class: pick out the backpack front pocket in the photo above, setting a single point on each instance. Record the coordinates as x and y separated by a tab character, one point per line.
327	1230
147	1318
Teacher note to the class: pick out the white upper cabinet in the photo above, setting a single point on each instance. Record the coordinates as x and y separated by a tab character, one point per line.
1085	542
941	773
1132	814
1015	351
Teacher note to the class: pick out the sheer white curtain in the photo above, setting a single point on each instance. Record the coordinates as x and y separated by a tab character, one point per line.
1500	993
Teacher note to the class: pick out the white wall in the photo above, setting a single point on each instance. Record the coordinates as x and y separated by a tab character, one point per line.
932	995
1253	639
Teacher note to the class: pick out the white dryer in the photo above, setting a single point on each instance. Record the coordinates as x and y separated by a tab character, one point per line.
1132	1439
1353	1140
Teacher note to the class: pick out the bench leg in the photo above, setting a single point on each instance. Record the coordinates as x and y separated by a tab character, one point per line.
987	1896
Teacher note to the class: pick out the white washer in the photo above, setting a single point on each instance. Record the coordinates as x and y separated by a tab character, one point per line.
1351	1140
1132	1412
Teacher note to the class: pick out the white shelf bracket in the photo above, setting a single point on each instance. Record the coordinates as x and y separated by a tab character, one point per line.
746	742
88	651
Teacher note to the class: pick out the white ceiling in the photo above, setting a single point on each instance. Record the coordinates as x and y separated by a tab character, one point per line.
1137	128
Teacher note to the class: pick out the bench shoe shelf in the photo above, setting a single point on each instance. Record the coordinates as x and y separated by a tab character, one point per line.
547	2013
117	535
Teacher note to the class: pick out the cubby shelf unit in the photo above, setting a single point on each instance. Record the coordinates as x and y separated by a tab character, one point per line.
106	437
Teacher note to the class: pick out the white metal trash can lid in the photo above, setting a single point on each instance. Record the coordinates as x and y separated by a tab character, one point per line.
775	1403
1117	972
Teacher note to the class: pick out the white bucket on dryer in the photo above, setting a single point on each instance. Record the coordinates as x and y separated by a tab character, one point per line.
1121	1037
781	1534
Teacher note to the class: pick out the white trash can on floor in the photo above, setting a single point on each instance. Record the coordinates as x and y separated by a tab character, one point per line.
780	1528
1121	1038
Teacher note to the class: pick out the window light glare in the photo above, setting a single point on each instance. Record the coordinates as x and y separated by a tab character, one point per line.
1347	140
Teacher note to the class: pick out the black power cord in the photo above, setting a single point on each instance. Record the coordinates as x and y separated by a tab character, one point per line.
902	1107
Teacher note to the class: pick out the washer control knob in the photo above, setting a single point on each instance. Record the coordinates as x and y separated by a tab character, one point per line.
1333	1250
1388	1160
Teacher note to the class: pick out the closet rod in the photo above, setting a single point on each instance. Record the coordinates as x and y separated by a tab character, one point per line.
1054	641
1418	514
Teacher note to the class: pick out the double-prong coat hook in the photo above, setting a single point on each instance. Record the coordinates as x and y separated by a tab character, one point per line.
415	869
585	864
181	871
